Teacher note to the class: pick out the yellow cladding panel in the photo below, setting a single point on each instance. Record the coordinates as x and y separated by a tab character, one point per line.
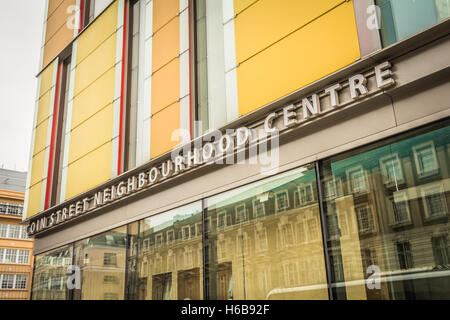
37	169
320	48
165	86
163	125
99	31
43	107
46	80
267	21
166	44
34	200
89	171
240	5
97	63
40	137
91	134
93	98
57	43
163	11
60	18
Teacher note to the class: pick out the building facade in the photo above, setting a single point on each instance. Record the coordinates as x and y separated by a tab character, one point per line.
241	149
16	247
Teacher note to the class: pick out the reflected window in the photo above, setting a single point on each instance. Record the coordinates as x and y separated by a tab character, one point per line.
400	208
259	210
222	219
109	259
398	221
305	193
425	158
391	169
364	218
50	274
282	201
332	188
172	270
265	257
434	202
101	257
440	250
241	213
186	232
170	236
401	19
405	258
261	239
357	179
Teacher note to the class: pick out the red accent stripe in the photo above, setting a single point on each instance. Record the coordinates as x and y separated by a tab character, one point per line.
81	15
190	89
122	98
52	142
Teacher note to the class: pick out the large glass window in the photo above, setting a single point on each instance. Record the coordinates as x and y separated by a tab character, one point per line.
264	240
390	241
99	257
385	212
168	256
50	274
403	18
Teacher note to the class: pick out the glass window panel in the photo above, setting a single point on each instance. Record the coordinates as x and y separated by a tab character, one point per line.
51	268
275	255
21	281
7	281
401	19
15	231
99	256
396	231
3	230
23	257
11	256
171	267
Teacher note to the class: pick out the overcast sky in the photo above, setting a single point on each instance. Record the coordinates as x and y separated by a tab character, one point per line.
20	38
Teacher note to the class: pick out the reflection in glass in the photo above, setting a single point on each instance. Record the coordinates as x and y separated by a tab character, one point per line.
399	225
50	274
265	241
403	18
101	259
168	256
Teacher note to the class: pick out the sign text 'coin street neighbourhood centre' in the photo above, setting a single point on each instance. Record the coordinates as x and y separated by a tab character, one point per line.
209	151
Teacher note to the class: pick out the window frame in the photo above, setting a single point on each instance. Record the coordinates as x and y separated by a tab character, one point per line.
404	198
236	213
370	219
416	149
386	181
425	191
255	203
277	205
364	178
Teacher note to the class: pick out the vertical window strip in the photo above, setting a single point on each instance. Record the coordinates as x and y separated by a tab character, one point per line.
116	155
53	102
185	72
67	125
144	83
122	90
53	136
231	93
